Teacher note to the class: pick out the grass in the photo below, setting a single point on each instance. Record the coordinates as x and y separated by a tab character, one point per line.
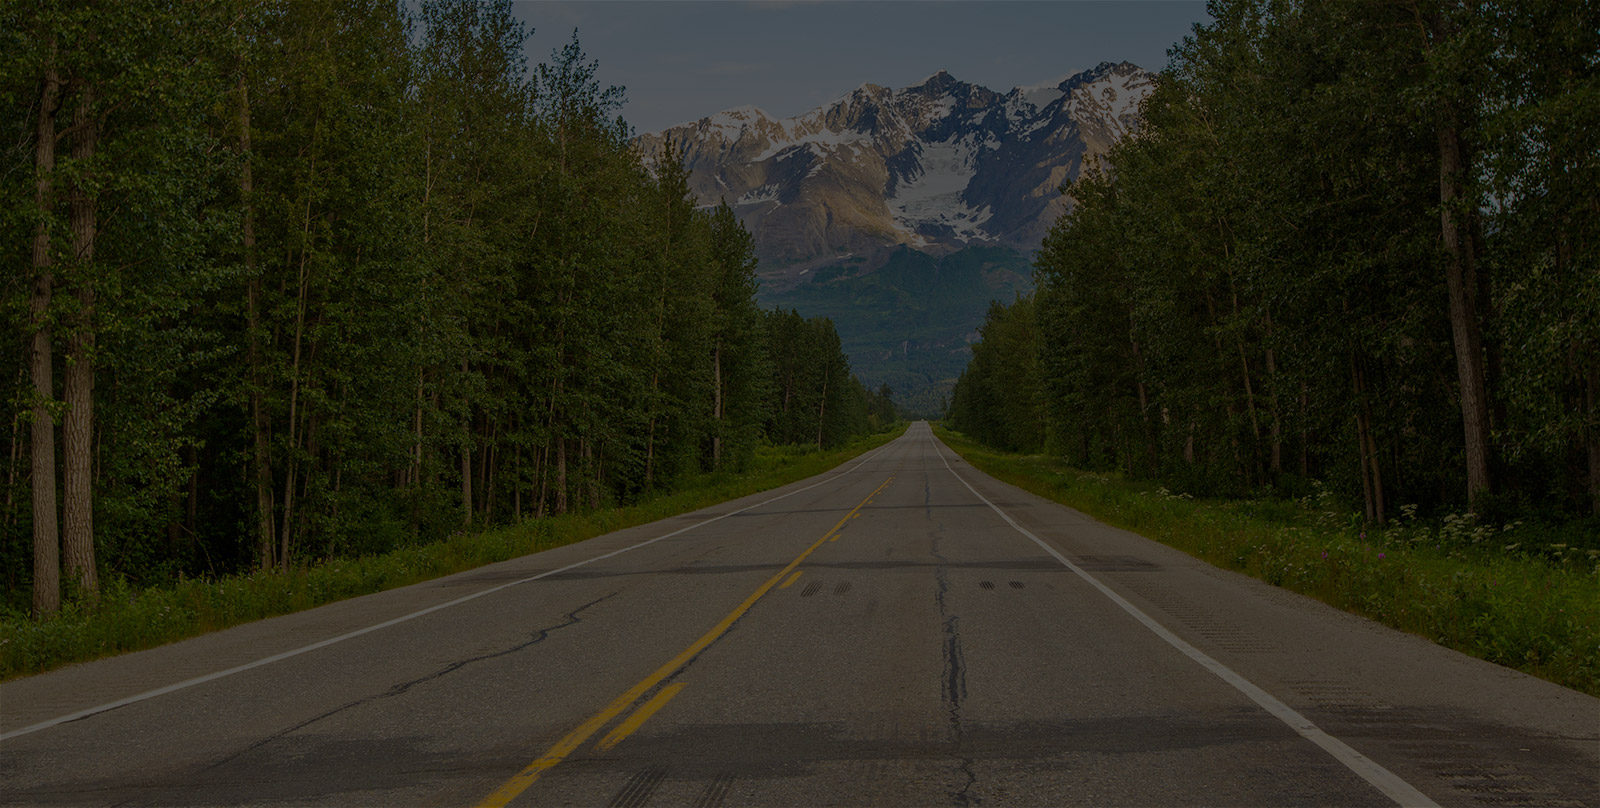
129	619
1497	592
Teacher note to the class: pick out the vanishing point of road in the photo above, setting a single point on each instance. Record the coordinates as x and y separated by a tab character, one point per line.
902	630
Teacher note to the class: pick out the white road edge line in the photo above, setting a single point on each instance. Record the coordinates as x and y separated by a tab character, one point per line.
198	680
1402	792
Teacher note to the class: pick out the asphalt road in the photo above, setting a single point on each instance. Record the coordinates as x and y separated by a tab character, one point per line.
903	630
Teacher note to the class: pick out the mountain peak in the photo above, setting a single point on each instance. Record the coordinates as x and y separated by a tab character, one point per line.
934	166
1102	71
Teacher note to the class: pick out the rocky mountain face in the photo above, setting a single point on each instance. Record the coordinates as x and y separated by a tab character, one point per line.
937	167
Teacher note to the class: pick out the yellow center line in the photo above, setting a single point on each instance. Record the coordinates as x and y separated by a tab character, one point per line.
638	718
572	740
792	579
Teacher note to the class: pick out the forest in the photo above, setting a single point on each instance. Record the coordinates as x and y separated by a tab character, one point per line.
1352	250
303	280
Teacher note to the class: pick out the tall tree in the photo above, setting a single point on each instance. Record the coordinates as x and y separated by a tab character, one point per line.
739	359
78	420
46	538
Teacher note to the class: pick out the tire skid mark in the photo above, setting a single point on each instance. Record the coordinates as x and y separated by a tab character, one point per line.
636	792
716	791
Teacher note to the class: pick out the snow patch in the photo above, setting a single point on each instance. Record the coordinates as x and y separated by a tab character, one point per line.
727	124
1112	101
824	142
933	197
757	196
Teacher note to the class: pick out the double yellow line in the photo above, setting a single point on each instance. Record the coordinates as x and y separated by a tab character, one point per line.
574	739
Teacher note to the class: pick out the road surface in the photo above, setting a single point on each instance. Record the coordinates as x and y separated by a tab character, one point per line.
903	630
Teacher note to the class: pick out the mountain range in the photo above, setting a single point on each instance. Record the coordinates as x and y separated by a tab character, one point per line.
905	178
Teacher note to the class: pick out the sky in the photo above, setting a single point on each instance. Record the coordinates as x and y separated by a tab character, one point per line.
681	61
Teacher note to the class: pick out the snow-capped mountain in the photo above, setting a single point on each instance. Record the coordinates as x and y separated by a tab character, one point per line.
937	166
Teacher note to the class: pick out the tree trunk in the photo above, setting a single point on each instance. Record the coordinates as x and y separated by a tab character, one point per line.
416	458
1150	430
1464	325
650	437
192	506
1592	432
302	291
466	457
1361	465
1379	515
1249	389
542	474
591	489
1250	406
46	538
1462	283
15	456
822	409
259	425
561	476
1305	431
489	461
77	433
1371	469
1272	400
716	406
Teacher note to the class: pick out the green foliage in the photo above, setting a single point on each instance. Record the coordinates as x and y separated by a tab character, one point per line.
1507	593
998	397
815	397
369	280
1242	302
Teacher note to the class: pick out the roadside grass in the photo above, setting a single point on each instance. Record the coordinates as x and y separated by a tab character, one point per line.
1523	596
131	619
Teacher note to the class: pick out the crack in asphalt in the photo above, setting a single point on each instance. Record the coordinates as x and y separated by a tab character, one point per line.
569	619
953	684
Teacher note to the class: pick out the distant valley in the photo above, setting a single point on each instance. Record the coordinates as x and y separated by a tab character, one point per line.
900	213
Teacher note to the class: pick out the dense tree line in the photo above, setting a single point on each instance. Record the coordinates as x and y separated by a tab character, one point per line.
303	279
1354	242
815	397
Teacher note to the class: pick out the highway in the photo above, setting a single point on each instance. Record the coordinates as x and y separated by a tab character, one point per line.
902	630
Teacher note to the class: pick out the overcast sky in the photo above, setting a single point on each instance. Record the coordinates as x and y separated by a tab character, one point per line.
681	61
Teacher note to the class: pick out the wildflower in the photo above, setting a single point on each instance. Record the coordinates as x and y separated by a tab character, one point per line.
1324	553
1380	555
